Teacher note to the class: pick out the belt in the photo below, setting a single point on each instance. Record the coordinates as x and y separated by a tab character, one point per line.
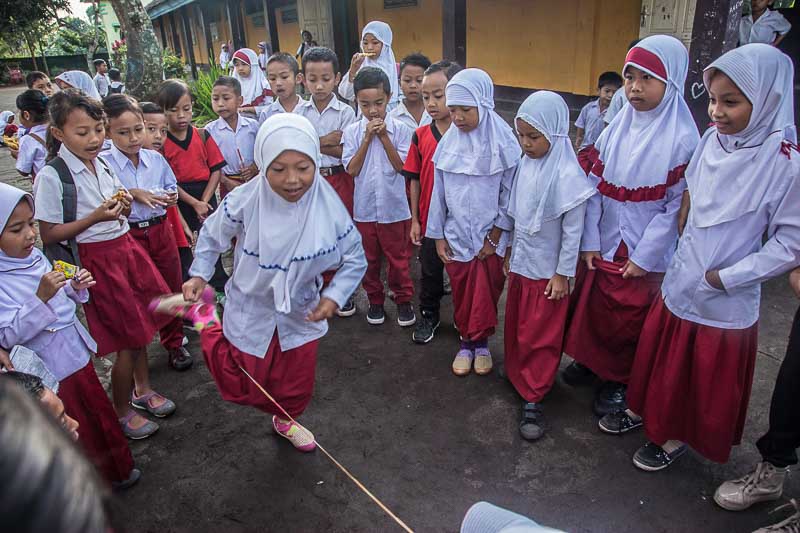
330	171
147	223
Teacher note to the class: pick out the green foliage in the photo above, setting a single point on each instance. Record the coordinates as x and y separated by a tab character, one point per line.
119	57
76	36
201	93
173	65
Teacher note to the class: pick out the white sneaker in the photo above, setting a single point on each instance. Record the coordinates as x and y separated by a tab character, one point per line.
763	484
790	525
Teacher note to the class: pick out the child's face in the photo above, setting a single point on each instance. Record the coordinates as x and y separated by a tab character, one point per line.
102	68
19	235
728	107
242	68
282	79
180	117
44	85
320	79
372	102
534	144
127	132
371	45
155	130
465	118
225	101
759	6
644	92
411	82
63	85
605	94
291	174
433	95
82	134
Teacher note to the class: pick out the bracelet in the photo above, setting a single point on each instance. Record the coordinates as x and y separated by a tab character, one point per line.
488	238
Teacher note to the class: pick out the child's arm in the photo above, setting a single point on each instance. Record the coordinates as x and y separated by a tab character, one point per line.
391	152
331	144
52	233
571	230
590	238
778	39
211	188
35	315
413	189
359	154
437	215
579	132
347	278
502	222
683	213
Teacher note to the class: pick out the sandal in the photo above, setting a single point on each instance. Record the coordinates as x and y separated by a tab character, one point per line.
139	433
300	437
201	314
531	427
618	423
143	402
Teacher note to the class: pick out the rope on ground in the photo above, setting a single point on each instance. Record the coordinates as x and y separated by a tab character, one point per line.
333	460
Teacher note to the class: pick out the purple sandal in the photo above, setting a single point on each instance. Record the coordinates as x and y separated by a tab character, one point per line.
143	402
143	432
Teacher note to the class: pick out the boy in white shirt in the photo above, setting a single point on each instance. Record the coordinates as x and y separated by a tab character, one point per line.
763	25
411	109
101	80
590	122
283	75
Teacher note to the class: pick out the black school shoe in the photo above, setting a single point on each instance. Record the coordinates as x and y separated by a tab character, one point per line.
651	457
349	308
180	359
610	398
426	328
577	375
405	315
531	427
376	314
618	423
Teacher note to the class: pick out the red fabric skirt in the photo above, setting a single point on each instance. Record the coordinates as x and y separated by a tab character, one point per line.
345	187
288	376
174	219
692	382
586	158
477	286
534	335
607	314
127	280
99	432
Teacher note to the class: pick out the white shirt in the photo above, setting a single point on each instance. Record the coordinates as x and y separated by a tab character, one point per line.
380	194
236	146
153	174
765	30
336	116
591	121
402	114
224	59
32	153
618	101
102	82
118	85
92	190
348	93
274	108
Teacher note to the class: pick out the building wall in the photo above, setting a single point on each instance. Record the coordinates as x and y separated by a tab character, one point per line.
288	34
218	15
414	29
110	23
254	35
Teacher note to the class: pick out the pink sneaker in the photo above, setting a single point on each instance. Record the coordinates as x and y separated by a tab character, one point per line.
202	314
300	437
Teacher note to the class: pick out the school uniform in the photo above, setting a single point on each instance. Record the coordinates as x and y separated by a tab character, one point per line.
547	206
618	101
274	108
236	145
403	115
381	210
591	120
78	79
386	62
473	175
116	87
32	150
769	26
639	177
102	82
127	280
150	226
694	364
281	250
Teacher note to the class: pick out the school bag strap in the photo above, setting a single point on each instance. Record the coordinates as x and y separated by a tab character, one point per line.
203	134
38	139
69	203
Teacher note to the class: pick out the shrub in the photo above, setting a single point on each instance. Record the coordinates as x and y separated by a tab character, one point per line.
201	93
173	65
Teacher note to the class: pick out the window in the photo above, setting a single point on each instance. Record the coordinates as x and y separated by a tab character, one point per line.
390	4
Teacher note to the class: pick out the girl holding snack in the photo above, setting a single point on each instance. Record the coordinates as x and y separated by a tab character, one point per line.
376	51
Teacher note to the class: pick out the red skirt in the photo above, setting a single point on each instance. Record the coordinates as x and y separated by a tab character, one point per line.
127	280
586	158
692	382
534	335
477	286
288	376
345	187
174	219
606	317
99	432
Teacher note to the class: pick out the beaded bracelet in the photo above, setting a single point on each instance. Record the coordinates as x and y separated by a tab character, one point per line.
488	238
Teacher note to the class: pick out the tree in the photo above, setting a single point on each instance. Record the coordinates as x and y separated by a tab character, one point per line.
32	19
145	69
76	36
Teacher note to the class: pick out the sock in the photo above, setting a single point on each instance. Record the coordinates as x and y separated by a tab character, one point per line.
466	345
633	415
671	445
482	343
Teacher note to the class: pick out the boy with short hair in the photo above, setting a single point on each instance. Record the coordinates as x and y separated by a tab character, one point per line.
418	169
40	82
283	75
101	80
374	150
411	109
590	122
116	86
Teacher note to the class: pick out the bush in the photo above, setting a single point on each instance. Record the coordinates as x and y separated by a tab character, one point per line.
119	57
173	65
201	93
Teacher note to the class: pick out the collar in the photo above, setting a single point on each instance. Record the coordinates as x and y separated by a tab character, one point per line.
184	144
74	164
401	109
39	128
334	103
435	131
122	160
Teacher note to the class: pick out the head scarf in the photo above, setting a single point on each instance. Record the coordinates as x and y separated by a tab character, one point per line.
286	244
644	152
731	175
546	188
252	86
81	81
4	116
490	148
20	277
386	61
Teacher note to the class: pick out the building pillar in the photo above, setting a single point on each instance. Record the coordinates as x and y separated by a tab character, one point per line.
272	25
176	38
205	24
187	32
454	31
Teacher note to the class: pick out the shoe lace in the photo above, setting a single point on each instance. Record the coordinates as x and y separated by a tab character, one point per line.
752	479
791	524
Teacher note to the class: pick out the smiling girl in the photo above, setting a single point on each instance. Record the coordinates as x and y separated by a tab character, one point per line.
256	93
376	51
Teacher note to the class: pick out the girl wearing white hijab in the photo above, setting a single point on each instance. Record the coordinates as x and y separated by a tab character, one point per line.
78	79
631	227
547	205
474	169
37	310
694	364
289	226
256	93
376	51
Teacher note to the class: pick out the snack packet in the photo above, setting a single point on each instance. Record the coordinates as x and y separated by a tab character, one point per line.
69	271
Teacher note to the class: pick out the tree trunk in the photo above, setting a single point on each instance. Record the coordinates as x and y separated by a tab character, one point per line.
145	69
32	50
44	59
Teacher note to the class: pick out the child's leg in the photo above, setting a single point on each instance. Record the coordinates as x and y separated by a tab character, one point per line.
432	282
372	250
122	380
394	242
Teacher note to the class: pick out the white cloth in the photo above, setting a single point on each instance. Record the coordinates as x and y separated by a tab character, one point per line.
253	86
224	59
153	174
618	101
102	82
32	154
385	61
765	30
4	116
402	114
237	147
336	116
592	121
274	108
282	248
483	517
80	80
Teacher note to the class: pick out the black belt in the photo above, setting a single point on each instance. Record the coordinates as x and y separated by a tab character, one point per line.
147	223
330	171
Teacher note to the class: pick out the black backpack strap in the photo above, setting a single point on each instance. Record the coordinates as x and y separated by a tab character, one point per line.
203	134
69	204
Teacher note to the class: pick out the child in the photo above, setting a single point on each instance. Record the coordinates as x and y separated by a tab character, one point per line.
632	226
590	122
40	82
149	179
33	116
411	109
619	99
234	134
418	169
694	364
196	161
126	278
101	80
225	57
263	55
78	79
37	310
374	150
289	227
763	25
284	76
547	205
376	51
9	129
255	90
116	86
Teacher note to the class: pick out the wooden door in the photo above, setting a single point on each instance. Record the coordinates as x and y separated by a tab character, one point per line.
315	16
668	17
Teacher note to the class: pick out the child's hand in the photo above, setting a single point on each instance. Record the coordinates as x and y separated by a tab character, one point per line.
5	361
249	172
632	270
49	285
444	251
229	183
557	287
372	126
355	64
108	211
713	279
334	138
202	209
14	153
325	310
193	288
83	280
172	199
487	249
794	281
414	234
683	212
507	262
126	201
149	199
589	257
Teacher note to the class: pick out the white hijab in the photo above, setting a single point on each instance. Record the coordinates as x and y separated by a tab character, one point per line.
490	148
546	188
640	148
81	81
286	244
732	175
4	116
386	61
19	278
252	86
